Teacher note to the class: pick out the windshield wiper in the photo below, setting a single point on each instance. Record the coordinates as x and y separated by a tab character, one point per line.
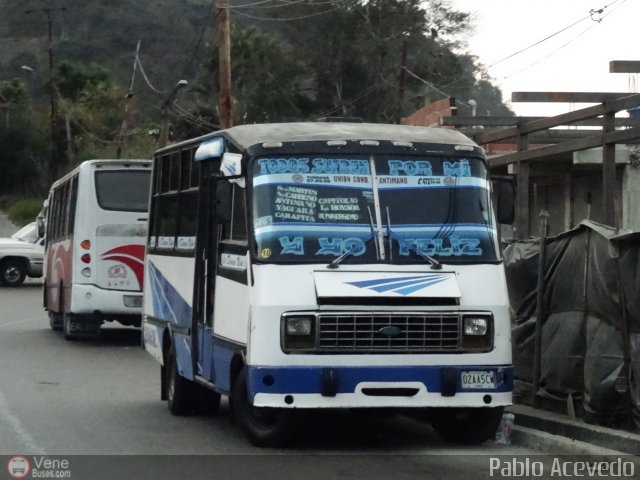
334	263
435	264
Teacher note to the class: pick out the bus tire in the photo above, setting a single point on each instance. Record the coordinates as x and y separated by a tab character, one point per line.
67	326
180	391
56	322
207	402
466	426
264	427
12	272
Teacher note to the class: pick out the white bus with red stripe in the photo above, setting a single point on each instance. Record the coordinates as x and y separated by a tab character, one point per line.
94	254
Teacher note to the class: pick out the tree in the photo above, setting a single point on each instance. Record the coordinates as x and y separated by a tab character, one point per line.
90	106
22	156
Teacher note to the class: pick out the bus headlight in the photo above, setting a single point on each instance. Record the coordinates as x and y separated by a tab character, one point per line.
298	332
477	333
299	325
476	325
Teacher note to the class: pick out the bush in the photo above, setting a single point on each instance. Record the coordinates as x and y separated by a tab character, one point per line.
24	211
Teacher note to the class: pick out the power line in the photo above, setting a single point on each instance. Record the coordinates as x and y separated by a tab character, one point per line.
286	4
589	16
549	54
187	66
569	41
289	19
457	79
146	79
366	92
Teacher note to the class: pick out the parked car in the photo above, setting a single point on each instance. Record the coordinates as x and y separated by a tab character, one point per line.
21	255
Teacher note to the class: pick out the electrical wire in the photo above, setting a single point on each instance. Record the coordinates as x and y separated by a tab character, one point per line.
355	99
182	112
289	19
456	80
286	4
194	53
589	16
570	40
428	83
548	55
146	79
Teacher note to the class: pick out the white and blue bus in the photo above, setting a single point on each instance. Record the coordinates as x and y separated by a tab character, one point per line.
329	265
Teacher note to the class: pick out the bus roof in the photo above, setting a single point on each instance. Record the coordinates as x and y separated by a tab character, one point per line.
103	161
245	136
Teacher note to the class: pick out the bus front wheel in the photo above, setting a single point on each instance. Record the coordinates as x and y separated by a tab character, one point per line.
467	426
180	391
207	402
264	427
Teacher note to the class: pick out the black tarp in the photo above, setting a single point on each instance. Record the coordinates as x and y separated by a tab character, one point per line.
590	332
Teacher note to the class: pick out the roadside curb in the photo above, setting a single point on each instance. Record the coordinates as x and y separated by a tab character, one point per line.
550	443
550	431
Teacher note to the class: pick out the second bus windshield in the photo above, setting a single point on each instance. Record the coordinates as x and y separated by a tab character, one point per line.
315	208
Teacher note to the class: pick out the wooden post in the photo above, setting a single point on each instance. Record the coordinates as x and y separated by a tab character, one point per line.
537	350
225	111
522	195
402	78
609	173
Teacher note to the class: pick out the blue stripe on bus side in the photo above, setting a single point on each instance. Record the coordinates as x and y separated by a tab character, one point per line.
292	380
183	354
168	304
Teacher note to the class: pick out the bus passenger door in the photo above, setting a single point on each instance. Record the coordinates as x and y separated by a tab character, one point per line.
207	253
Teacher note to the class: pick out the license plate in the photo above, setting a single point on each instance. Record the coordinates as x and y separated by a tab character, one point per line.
478	379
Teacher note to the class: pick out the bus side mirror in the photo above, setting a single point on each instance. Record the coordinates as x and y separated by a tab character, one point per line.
40	226
231	167
505	200
224	191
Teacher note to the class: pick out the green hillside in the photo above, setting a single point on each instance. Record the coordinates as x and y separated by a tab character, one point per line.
291	60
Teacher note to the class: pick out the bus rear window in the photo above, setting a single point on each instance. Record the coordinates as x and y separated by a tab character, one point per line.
123	190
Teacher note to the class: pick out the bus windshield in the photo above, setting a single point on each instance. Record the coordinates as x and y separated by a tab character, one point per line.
317	208
123	190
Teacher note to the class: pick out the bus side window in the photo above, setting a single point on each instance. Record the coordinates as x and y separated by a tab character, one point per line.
73	198
165	228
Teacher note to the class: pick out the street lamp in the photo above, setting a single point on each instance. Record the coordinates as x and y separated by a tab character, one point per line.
164	112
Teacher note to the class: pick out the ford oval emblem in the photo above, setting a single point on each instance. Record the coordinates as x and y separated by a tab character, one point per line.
390	331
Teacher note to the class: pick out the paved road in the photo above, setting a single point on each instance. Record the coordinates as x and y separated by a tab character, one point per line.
102	397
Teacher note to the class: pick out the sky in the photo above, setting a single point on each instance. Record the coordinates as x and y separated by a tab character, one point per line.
573	60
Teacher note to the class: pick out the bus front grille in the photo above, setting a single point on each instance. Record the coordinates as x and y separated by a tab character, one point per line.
384	333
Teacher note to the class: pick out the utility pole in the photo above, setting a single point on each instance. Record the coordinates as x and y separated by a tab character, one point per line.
53	170
225	111
402	78
127	97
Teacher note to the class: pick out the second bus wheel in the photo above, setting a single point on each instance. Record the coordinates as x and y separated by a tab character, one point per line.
56	321
467	426
264	427
207	402
180	391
